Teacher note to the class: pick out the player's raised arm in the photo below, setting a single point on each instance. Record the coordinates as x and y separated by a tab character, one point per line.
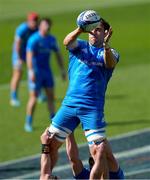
70	40
110	59
86	21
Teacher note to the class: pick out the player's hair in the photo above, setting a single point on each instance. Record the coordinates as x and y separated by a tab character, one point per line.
105	24
48	20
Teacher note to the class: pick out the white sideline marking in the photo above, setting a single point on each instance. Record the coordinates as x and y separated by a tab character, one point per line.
140	171
124	154
134	152
117	137
132	133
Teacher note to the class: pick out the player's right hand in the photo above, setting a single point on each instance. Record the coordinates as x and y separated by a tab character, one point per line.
83	31
31	75
108	35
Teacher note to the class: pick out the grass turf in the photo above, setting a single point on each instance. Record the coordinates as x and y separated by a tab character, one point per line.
127	103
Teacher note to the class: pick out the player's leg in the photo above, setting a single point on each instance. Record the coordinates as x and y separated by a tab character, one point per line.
50	155
97	133
41	97
78	170
50	101
62	126
15	80
73	155
100	168
30	110
94	127
115	172
34	87
48	84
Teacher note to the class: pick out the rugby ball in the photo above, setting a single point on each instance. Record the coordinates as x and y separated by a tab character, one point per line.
88	20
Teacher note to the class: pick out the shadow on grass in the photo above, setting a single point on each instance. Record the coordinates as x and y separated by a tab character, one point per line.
129	122
19	169
116	96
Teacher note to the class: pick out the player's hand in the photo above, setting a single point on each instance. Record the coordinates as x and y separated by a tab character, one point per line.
19	63
82	31
108	35
31	75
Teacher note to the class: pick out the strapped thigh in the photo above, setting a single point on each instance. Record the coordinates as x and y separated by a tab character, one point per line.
95	136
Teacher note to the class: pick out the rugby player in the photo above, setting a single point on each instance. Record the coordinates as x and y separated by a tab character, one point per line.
39	48
23	32
91	65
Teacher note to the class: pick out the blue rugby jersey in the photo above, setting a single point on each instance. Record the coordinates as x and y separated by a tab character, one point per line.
23	32
41	48
88	77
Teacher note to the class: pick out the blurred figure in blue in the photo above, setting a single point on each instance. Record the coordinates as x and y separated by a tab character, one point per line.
39	48
23	32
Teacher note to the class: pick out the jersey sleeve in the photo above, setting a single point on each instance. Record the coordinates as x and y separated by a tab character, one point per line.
80	44
31	44
100	58
20	31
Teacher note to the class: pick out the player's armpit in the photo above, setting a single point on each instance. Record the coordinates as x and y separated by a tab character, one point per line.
72	45
70	40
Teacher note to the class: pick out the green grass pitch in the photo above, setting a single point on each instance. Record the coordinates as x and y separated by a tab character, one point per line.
127	100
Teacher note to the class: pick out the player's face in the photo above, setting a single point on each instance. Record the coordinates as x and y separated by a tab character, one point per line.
33	24
44	27
97	36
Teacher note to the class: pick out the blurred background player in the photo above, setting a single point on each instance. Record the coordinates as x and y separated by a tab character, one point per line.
39	48
23	32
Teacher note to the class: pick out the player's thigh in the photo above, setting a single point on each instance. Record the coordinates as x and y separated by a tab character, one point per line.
93	124
33	94
17	72
71	145
55	145
91	118
64	123
17	64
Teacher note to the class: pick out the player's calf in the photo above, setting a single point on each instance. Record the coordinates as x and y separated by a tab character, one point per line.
100	168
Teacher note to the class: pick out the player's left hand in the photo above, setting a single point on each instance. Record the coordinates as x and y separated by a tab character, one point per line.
108	35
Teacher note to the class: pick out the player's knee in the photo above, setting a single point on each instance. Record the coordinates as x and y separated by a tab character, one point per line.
33	99
18	73
100	151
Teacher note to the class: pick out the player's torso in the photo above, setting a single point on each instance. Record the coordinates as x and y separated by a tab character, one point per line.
25	33
88	77
42	52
